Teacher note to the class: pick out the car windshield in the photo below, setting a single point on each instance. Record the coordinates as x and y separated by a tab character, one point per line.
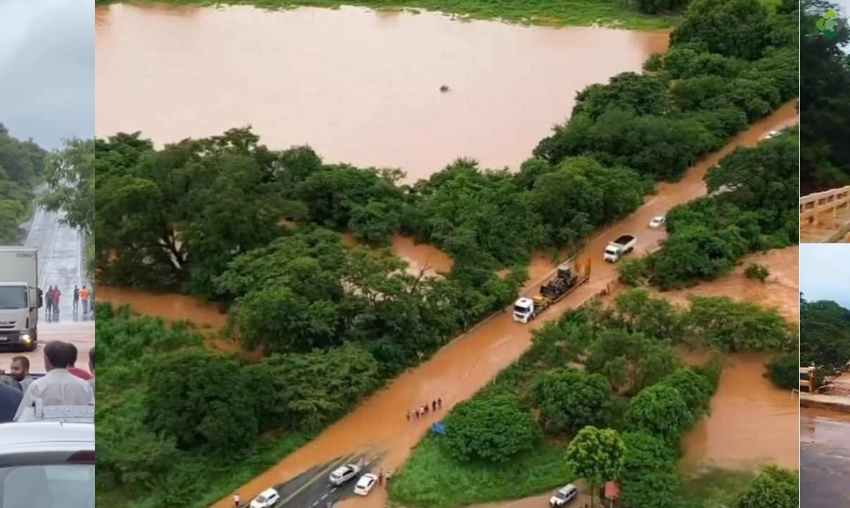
610	251
60	486
561	495
13	298
261	498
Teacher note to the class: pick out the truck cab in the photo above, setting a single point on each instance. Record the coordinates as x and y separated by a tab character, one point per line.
19	304
523	310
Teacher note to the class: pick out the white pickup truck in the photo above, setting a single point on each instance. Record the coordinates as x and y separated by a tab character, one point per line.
619	248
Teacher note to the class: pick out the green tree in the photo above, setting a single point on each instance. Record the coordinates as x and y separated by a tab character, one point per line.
597	455
784	371
70	178
630	361
736	28
661	411
649	476
491	430
571	400
773	488
196	399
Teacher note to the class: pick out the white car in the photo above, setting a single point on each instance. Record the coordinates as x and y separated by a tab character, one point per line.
771	135
365	484
266	499
344	474
564	496
47	464
657	222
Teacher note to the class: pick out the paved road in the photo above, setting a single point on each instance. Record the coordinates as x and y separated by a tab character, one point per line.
311	489
824	459
61	264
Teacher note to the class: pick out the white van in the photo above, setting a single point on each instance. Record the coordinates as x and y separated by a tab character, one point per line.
564	496
344	474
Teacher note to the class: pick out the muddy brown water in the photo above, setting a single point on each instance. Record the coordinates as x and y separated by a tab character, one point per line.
358	86
780	291
465	365
751	424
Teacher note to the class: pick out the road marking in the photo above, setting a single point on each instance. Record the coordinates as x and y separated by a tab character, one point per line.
316	478
325	496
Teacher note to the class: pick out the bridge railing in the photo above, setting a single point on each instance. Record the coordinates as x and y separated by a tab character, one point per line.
830	201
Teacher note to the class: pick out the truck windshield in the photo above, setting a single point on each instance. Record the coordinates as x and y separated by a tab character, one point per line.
519	309
13	298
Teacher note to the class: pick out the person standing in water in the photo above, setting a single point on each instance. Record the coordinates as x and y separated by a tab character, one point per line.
48	302
56	295
76	298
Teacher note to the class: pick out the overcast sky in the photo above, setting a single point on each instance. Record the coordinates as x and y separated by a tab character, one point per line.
47	69
825	272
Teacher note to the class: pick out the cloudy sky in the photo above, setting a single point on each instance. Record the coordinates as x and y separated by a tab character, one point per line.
825	272
47	69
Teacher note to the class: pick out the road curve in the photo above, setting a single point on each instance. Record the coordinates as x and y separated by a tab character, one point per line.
468	363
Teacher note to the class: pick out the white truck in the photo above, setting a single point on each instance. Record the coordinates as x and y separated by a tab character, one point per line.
20	298
619	248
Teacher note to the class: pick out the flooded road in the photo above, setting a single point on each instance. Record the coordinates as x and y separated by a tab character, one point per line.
358	86
780	291
824	459
465	365
752	423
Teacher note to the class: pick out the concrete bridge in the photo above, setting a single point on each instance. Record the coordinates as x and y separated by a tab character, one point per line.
825	216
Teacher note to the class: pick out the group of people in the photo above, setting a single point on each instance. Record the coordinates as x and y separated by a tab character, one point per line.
52	296
63	385
424	409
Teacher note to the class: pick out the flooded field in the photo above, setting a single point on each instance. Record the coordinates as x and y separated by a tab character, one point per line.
751	423
824	459
460	369
169	307
780	291
358	86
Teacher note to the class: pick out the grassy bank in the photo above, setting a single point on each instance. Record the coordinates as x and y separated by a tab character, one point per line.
434	480
613	13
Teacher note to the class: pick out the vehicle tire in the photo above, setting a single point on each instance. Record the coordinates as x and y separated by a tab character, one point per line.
33	347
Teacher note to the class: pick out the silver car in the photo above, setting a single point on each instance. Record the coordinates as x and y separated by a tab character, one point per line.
47	464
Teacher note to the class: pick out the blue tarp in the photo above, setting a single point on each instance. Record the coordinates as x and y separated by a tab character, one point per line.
438	428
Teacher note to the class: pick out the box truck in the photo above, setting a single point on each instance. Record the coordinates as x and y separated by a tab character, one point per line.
20	298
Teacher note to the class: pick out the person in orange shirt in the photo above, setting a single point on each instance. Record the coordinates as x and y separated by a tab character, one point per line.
84	296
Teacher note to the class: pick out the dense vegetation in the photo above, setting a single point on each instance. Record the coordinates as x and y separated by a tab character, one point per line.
21	167
635	14
70	180
824	337
824	102
595	368
750	207
179	426
205	217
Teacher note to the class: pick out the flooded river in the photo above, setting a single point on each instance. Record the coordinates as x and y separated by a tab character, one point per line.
751	423
781	291
825	459
465	365
359	86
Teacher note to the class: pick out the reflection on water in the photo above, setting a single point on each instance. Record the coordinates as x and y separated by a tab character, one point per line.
751	421
824	459
359	87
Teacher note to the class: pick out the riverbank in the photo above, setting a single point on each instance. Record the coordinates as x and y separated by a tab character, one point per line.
603	13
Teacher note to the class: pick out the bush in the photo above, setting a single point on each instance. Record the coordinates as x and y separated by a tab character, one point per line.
492	430
784	371
757	272
774	488
660	411
570	400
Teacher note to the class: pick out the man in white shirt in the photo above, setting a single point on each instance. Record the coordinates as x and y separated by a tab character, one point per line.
58	387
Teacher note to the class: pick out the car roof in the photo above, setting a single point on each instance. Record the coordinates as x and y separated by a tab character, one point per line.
43	441
268	493
367	476
569	487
